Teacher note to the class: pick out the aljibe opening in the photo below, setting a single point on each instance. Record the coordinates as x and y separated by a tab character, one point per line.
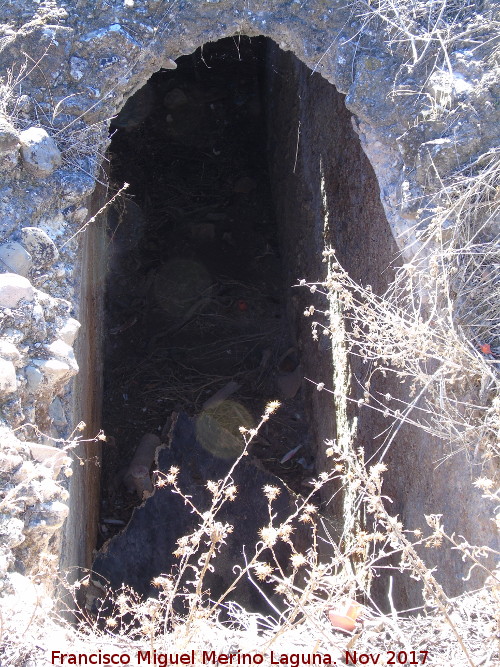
198	340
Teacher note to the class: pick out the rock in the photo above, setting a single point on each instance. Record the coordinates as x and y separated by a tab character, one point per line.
9	146
25	474
39	326
68	332
13	289
49	516
9	352
63	352
45	488
57	414
77	67
9	138
137	476
54	370
45	300
54	224
8	382
9	463
39	152
11	530
50	457
289	383
34	377
80	214
15	258
41	247
289	377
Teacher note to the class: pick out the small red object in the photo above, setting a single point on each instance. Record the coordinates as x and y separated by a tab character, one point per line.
345	616
242	305
486	348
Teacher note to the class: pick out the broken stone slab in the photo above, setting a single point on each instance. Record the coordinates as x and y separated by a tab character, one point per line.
39	152
41	247
15	258
8	381
144	549
13	289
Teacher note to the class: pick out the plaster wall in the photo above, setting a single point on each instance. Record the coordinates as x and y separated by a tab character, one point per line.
326	195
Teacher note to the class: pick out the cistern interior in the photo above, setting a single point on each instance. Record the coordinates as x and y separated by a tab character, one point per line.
224	213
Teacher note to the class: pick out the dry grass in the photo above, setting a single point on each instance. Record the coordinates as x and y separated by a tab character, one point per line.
184	618
437	328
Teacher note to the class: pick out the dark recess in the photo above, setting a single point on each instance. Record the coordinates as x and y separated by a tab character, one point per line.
195	297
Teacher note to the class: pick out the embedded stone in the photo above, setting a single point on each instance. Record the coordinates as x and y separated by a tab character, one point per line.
51	457
67	333
15	258
47	489
39	152
13	289
11	530
41	247
9	146
39	326
9	352
63	352
80	214
56	413
9	463
77	67
8	382
9	138
54	370
34	377
48	516
9	161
